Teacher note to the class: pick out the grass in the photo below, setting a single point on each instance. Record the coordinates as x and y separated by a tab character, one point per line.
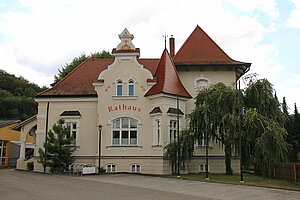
249	179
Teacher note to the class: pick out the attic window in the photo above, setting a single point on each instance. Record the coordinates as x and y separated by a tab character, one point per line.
201	84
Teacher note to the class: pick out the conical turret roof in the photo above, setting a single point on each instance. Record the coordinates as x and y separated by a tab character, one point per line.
168	79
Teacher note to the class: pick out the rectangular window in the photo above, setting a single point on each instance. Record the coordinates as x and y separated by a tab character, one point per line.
131	90
119	90
125	137
116	138
156	132
73	131
133	137
173	130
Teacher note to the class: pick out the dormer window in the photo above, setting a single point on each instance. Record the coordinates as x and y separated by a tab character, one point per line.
119	88
130	88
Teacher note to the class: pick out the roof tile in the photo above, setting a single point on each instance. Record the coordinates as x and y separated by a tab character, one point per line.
168	79
199	49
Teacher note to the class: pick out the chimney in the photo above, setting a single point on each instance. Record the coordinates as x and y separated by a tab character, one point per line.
172	46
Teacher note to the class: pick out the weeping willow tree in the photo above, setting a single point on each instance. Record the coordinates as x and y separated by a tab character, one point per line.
264	141
219	104
186	146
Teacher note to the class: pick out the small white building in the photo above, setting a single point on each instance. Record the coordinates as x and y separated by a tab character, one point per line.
135	102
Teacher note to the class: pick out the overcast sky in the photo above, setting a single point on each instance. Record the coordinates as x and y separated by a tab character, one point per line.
37	37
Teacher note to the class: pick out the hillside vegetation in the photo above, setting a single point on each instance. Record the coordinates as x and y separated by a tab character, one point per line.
16	97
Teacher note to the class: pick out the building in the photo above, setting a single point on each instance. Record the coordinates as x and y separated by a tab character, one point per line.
134	100
10	143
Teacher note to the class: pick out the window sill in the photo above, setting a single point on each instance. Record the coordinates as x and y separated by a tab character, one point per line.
124	97
120	147
203	147
158	147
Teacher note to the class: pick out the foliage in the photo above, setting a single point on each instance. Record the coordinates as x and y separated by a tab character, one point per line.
65	70
102	170
57	153
293	138
186	147
30	166
264	141
16	97
219	102
216	110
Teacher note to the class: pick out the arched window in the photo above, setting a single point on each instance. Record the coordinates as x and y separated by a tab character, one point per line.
201	84
110	168
124	132
130	88
135	168
119	88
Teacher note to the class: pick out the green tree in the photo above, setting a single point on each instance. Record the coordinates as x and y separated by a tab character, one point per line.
219	102
65	70
58	149
264	132
294	135
16	97
186	147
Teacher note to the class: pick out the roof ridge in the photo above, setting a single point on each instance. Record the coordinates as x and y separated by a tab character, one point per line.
210	44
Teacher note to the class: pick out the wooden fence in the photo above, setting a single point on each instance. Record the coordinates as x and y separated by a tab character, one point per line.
287	171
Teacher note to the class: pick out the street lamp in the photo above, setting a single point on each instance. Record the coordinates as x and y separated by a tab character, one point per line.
99	147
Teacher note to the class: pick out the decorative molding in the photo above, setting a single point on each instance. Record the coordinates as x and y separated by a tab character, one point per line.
124	148
124	97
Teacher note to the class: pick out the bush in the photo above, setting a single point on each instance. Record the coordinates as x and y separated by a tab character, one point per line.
30	166
102	170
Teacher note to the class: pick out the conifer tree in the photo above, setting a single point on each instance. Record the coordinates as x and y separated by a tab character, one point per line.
58	149
294	136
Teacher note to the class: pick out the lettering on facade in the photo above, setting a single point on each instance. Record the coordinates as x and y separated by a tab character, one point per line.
123	107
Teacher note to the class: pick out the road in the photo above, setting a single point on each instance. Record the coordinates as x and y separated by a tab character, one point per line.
20	185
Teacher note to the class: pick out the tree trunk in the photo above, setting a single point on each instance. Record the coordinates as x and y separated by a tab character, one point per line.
228	155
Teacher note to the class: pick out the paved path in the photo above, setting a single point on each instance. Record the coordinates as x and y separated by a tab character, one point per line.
18	185
196	188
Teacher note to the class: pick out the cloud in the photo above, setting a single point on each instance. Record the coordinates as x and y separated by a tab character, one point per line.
51	33
268	7
294	19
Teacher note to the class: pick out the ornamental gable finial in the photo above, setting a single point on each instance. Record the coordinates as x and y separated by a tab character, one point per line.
126	41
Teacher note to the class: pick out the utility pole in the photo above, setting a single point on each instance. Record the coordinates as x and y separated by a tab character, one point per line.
206	137
240	132
178	141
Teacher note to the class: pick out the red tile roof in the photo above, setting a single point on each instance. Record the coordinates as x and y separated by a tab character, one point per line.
200	49
79	81
168	79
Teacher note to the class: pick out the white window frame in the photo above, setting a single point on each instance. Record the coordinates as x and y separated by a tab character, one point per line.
157	133
74	120
196	86
111	168
135	166
173	117
131	82
119	82
120	129
173	130
202	167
